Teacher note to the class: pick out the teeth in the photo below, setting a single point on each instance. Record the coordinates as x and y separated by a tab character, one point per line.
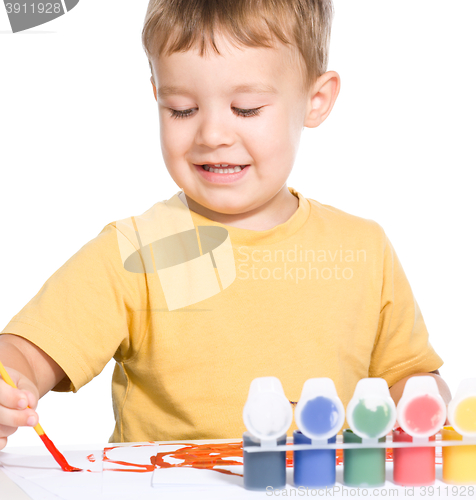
223	170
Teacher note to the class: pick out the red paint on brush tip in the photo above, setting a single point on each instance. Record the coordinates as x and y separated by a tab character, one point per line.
57	455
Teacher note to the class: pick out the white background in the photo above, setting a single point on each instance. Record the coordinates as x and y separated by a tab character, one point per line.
79	148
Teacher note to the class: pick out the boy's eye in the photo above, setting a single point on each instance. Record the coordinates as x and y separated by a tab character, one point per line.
240	112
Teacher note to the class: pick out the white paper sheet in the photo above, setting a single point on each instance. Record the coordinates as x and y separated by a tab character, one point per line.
42	478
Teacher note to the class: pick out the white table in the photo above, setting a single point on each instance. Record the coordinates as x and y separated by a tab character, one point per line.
10	490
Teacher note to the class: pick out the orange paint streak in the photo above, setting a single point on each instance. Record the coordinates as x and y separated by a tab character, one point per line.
140	467
91	458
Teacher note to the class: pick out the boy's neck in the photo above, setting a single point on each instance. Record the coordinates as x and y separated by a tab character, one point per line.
276	211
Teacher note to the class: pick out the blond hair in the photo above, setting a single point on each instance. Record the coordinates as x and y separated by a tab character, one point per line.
178	25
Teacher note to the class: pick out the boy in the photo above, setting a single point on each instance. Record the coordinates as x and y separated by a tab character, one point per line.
236	276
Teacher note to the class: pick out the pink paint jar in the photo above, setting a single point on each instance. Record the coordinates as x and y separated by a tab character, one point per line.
412	466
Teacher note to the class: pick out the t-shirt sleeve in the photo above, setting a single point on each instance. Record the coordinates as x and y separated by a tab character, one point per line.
82	316
402	345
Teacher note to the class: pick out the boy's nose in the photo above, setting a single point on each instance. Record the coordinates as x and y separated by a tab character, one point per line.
215	131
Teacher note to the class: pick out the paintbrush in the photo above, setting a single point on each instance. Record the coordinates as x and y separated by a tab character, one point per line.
39	430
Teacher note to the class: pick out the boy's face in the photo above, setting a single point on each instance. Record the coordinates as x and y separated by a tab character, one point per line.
213	131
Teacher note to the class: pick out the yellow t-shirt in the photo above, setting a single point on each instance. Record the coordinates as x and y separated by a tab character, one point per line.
321	295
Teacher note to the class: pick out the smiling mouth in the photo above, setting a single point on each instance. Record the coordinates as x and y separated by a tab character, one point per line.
223	168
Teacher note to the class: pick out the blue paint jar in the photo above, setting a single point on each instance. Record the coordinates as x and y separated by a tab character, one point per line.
314	468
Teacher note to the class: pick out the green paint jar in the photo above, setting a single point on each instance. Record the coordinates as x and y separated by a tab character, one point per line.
365	467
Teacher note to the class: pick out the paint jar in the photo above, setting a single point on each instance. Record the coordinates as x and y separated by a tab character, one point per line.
459	462
363	467
267	416
313	468
421	411
319	413
412	466
371	412
462	409
263	469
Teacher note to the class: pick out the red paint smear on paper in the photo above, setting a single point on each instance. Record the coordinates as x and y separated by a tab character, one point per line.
57	455
91	458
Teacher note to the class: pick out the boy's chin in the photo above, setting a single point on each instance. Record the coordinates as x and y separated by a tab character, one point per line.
218	205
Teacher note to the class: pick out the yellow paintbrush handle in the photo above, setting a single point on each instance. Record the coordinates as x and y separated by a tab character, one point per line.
39	430
6	377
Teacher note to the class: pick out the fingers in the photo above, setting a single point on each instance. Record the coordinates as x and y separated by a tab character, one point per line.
17	418
12	419
14	411
15	399
28	390
32	400
6	431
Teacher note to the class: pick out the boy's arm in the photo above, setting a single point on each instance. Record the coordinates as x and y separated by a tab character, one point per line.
34	373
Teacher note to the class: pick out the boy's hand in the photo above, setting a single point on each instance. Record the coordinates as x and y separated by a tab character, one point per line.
34	373
14	411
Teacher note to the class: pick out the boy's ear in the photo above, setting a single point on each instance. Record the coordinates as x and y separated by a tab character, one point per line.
322	97
153	85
